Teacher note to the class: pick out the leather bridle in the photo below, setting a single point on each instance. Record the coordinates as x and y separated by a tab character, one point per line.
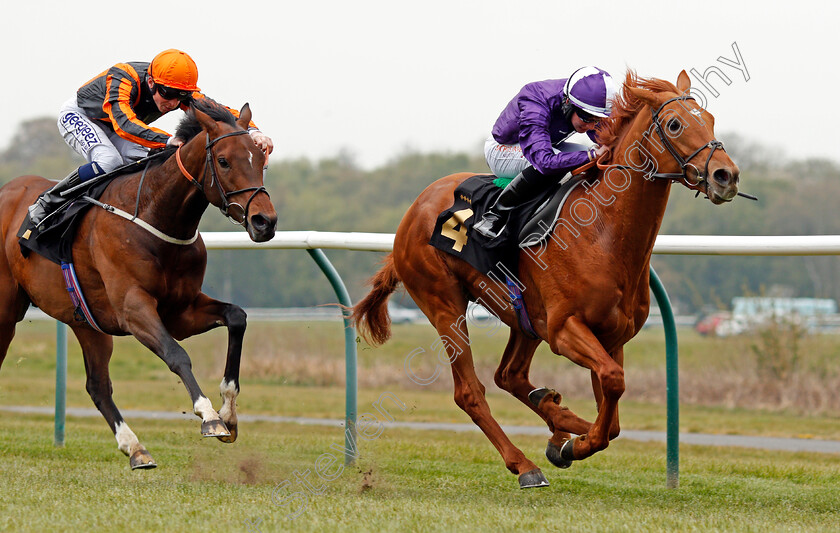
239	215
701	184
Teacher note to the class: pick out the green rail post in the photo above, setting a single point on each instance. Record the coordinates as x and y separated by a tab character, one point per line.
60	381
672	383
349	353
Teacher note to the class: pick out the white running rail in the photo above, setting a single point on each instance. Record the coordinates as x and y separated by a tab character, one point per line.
665	244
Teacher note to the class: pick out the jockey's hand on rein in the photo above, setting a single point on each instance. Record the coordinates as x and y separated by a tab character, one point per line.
262	141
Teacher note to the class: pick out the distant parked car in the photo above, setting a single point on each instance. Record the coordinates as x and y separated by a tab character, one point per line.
403	315
478	313
711	323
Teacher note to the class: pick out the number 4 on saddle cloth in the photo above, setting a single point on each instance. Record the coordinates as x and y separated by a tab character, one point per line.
529	225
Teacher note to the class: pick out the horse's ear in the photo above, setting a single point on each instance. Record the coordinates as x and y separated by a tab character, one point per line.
645	96
207	123
683	82
244	116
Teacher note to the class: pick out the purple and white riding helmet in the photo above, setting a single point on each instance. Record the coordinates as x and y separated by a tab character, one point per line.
591	90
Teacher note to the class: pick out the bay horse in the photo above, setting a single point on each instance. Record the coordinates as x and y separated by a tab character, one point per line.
586	297
143	277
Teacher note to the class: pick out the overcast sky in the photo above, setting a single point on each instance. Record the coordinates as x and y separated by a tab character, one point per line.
378	77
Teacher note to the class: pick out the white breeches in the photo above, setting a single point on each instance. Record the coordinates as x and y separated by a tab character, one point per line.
93	142
506	160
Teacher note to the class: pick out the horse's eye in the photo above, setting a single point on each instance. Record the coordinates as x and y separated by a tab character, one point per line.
223	163
674	126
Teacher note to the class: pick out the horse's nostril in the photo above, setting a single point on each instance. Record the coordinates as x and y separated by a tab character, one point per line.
722	176
262	228
258	222
262	223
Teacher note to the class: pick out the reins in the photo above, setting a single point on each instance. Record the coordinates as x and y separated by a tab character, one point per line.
136	219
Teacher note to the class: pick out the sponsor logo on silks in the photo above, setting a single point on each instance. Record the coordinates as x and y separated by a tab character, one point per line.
83	131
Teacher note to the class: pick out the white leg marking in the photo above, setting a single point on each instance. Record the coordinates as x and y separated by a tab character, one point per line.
229	394
126	439
204	409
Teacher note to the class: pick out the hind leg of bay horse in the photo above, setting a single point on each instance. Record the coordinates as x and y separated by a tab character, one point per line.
204	315
146	326
577	342
97	349
442	300
512	375
7	333
13	305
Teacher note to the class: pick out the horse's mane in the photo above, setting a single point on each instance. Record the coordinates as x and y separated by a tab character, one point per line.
189	126
626	106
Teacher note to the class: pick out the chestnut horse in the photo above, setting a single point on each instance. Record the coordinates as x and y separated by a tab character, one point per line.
143	277
587	297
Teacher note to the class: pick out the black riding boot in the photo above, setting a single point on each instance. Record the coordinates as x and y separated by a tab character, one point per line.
51	199
519	190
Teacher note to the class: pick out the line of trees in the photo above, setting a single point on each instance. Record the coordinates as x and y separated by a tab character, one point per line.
335	194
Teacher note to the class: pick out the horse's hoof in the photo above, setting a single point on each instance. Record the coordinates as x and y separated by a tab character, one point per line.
233	434
536	396
553	453
532	479
141	459
214	428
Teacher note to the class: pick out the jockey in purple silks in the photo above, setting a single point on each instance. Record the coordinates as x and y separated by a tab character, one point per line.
528	145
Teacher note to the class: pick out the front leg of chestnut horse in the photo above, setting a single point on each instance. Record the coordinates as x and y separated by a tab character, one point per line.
146	326
615	427
576	341
204	315
512	375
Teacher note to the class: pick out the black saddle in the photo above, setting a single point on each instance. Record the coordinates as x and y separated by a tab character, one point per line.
54	238
530	224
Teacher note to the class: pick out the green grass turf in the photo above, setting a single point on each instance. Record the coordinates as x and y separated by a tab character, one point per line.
404	480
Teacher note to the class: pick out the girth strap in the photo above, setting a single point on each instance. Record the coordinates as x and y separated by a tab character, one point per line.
518	304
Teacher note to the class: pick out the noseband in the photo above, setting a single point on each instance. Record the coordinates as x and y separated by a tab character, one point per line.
214	180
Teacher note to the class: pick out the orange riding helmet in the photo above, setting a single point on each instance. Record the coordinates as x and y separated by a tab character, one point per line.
175	69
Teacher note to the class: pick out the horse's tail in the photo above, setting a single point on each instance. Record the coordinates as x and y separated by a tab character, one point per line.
370	315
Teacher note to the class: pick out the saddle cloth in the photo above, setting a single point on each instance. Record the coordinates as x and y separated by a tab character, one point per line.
529	225
54	239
